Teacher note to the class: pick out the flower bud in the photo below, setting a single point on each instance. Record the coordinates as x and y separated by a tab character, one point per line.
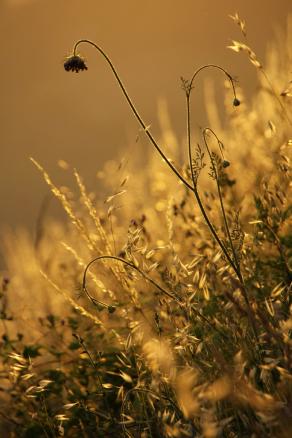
236	102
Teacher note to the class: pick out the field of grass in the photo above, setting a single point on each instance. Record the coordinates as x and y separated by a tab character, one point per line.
162	308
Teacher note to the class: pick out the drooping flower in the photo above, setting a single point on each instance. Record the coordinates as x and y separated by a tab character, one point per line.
75	63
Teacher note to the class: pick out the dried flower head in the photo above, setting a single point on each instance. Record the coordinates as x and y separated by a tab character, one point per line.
75	63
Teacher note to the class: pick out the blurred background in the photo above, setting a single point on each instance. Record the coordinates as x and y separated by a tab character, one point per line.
50	115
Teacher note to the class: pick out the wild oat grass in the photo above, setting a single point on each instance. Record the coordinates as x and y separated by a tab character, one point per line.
164	308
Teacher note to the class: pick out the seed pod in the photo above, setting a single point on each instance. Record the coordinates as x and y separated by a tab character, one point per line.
236	102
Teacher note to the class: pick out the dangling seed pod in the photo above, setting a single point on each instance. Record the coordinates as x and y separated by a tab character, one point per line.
236	102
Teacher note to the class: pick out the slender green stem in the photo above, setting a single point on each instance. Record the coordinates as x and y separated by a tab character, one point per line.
188	94
215	235
195	191
170	165
132	106
236	261
152	139
189	139
213	164
131	265
94	365
213	66
234	264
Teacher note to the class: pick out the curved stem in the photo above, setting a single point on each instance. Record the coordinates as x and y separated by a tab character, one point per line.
188	94
195	191
220	198
213	66
165	292
155	144
234	264
188	86
133	108
131	265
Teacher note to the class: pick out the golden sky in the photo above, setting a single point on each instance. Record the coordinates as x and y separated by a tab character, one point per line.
51	115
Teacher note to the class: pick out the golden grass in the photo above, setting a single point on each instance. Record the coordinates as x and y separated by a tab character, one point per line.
188	348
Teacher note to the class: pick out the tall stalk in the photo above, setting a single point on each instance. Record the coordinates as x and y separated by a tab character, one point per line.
227	230
188	86
133	108
76	63
150	136
213	164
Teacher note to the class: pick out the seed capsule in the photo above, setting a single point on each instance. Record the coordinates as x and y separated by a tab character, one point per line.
236	102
